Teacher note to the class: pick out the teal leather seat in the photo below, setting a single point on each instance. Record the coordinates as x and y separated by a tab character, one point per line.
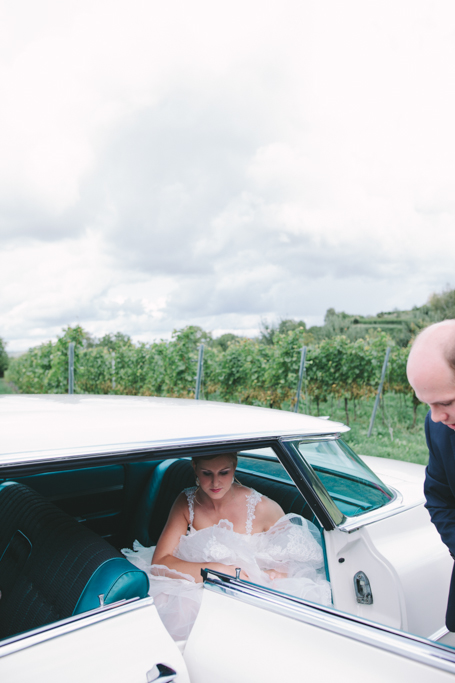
52	567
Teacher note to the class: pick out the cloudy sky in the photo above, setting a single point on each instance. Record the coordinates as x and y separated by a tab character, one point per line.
200	162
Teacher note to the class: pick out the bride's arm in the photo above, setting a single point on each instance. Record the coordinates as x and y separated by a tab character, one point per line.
269	512
176	526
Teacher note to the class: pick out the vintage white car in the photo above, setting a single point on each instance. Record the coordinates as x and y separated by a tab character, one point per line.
84	476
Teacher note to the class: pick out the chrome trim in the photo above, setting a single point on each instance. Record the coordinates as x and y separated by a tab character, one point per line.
440	633
251	454
324	437
130	448
394	507
161	673
347	625
318	489
28	639
350	524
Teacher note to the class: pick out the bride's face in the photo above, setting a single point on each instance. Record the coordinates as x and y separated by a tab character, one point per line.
215	475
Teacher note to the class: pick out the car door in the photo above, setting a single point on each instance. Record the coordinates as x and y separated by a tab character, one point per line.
122	643
248	633
405	566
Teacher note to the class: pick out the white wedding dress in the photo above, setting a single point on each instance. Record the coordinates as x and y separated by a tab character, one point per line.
291	546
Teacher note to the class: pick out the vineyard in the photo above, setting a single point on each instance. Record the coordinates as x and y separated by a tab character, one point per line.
342	370
341	376
246	371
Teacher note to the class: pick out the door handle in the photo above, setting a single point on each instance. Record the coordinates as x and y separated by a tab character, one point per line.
363	589
161	673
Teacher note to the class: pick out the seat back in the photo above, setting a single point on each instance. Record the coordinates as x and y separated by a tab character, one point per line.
52	567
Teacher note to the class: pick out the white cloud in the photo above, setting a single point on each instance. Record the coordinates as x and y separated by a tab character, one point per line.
167	164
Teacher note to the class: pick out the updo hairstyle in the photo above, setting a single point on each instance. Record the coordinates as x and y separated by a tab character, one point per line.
212	456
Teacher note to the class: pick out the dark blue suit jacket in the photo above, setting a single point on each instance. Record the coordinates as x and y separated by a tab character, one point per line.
440	493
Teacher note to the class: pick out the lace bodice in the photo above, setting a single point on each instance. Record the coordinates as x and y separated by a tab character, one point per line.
252	499
190	496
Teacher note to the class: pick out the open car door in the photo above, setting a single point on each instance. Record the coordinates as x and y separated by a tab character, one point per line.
246	633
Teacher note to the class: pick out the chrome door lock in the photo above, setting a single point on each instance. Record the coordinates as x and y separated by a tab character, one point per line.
363	589
161	674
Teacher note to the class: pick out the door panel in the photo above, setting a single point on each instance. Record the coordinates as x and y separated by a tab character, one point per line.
407	565
120	647
236	639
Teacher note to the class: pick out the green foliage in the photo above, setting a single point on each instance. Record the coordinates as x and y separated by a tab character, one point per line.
180	362
114	342
94	373
4	360
283	366
394	435
56	379
442	306
246	370
269	332
224	341
28	372
5	387
400	326
241	371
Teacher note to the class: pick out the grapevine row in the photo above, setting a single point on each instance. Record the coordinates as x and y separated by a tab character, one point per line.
247	371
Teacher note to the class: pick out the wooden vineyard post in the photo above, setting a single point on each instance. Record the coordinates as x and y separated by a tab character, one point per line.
301	371
378	395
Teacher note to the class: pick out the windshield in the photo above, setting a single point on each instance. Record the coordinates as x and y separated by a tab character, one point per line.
353	487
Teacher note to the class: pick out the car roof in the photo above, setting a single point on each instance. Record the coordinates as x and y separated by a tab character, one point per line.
33	425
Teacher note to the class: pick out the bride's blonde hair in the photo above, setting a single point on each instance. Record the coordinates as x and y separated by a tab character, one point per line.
212	456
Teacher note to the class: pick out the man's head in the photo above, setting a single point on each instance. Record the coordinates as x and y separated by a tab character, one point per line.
431	370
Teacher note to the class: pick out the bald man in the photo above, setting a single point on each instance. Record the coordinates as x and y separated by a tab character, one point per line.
431	373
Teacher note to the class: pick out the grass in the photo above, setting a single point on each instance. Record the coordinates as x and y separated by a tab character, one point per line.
6	388
393	435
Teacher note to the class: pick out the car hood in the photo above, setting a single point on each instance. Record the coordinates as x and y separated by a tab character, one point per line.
405	477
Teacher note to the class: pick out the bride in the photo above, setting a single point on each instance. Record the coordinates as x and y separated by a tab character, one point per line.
220	524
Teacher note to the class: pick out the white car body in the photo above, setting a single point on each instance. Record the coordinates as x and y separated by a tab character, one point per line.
243	632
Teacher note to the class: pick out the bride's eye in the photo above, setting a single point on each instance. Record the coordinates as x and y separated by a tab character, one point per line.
223	473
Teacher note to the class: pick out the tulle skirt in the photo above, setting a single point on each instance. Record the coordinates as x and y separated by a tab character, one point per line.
290	549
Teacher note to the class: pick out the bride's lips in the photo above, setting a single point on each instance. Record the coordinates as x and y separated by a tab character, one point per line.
215	490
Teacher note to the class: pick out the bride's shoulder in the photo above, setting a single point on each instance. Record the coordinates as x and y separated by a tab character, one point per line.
268	512
248	494
181	503
251	495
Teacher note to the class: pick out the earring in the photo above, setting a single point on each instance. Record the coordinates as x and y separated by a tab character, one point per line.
198	483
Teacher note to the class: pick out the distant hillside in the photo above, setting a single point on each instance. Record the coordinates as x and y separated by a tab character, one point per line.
402	326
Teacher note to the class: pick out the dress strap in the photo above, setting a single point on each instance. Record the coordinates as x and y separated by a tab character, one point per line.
252	500
190	495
